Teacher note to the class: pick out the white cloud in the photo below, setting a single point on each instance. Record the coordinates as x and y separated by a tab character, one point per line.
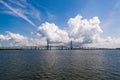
52	32
80	31
2	37
83	30
20	10
14	39
20	3
38	42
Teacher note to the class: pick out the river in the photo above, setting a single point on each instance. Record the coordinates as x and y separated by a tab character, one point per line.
59	64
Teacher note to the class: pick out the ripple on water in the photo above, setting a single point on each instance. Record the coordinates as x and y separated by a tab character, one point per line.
60	65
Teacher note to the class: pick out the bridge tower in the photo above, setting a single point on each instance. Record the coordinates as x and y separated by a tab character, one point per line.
47	44
71	45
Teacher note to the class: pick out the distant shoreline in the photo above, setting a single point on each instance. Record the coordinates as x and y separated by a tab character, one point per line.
62	49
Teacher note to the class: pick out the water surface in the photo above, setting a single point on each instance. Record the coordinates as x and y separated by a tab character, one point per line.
59	65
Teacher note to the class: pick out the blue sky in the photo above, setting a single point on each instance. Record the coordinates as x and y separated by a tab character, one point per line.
59	11
25	16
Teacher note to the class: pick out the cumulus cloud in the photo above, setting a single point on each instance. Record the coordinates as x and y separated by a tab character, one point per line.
17	38
14	39
83	32
80	30
2	37
52	32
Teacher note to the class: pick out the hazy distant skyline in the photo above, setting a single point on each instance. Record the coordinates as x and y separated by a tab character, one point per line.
31	22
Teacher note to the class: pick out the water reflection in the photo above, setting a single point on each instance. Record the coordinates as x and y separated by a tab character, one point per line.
60	65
